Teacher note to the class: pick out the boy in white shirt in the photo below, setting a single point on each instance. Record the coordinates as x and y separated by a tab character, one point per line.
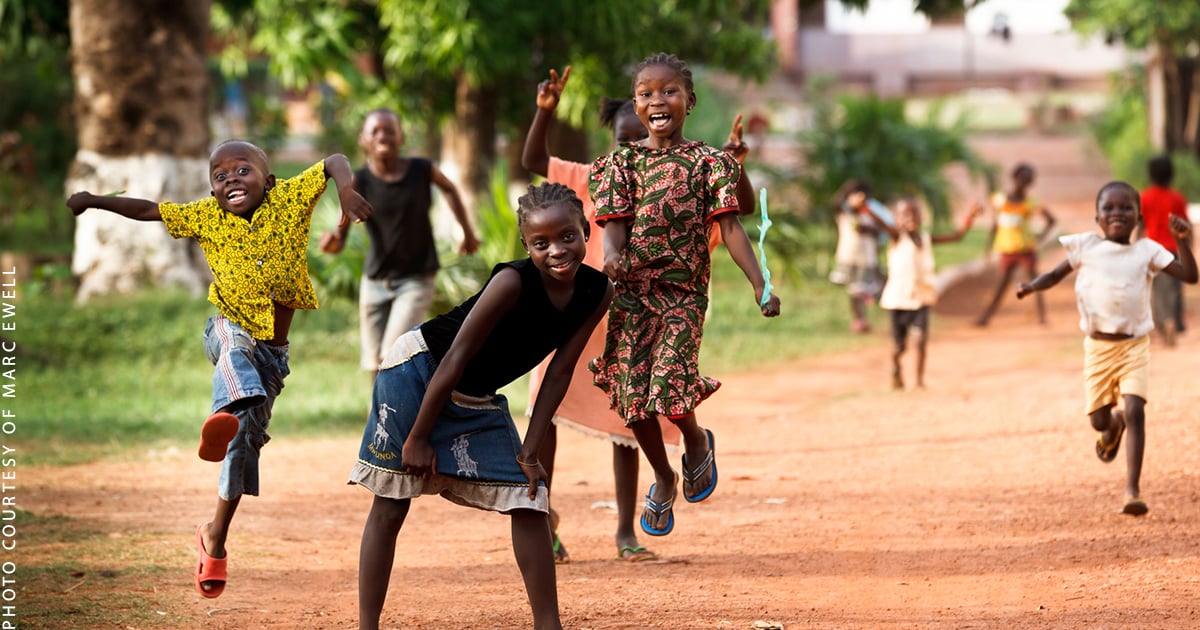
1113	294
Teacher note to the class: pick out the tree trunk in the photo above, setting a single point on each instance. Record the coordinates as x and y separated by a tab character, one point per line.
468	151
141	87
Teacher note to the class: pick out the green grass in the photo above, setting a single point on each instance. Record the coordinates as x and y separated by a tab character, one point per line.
128	371
74	573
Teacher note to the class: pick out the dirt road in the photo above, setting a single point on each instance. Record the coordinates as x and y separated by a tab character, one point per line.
975	503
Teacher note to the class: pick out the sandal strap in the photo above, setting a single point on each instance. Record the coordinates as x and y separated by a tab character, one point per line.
697	472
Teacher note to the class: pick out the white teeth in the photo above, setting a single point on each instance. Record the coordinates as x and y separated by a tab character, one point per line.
236	195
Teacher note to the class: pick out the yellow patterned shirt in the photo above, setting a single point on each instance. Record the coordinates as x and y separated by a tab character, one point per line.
258	262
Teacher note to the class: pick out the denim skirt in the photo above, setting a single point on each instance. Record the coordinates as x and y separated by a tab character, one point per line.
475	440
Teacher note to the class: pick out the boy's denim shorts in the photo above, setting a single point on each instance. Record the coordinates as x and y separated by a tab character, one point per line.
247	378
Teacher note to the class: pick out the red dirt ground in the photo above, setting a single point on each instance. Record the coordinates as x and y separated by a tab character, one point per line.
975	503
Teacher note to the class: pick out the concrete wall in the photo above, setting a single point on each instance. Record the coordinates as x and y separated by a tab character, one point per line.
948	58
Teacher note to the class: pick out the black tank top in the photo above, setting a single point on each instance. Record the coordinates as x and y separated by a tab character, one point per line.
401	234
524	336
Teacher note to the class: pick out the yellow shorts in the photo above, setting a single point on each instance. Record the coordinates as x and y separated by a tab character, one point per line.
1112	369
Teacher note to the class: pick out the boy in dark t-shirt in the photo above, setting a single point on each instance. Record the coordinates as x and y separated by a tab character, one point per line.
397	286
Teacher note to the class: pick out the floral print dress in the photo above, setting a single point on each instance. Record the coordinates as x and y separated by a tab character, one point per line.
670	199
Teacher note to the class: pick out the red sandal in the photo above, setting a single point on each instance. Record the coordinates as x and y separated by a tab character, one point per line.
210	569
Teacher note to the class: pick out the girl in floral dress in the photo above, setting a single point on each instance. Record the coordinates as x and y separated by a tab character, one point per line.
658	201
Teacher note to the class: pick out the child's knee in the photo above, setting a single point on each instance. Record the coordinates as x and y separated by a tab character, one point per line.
389	513
1101	417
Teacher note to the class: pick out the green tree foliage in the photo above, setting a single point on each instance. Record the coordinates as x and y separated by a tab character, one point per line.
871	138
37	139
1170	29
419	49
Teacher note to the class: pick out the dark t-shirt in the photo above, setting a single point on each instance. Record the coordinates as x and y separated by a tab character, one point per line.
399	229
524	336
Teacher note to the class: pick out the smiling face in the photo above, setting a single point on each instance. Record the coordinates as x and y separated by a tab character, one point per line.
555	238
381	136
1118	212
662	99
239	176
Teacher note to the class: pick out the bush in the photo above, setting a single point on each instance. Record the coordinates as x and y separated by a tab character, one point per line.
1122	132
871	138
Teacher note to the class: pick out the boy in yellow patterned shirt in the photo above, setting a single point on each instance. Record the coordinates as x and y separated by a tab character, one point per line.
254	231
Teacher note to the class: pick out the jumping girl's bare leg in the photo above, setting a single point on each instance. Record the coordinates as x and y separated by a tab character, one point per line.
695	444
536	561
649	437
376	554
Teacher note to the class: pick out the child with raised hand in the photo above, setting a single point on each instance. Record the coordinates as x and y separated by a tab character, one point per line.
657	201
856	256
1112	291
909	291
397	286
586	407
438	427
254	232
1012	238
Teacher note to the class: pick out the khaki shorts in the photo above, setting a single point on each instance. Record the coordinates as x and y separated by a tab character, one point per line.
1112	369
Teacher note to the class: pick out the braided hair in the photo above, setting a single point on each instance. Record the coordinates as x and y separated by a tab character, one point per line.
671	61
545	195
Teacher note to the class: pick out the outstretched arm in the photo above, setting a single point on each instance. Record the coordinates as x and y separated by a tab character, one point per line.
337	168
497	299
742	253
1185	267
536	156
976	210
128	207
470	242
1046	280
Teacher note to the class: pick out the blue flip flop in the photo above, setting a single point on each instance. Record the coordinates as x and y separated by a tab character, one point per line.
690	475
658	509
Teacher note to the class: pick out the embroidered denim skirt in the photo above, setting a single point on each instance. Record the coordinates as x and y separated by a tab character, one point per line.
475	439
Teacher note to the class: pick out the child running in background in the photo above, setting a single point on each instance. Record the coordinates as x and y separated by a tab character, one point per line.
254	232
909	292
856	259
585	407
1012	239
1160	202
1112	291
397	286
657	201
438	427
